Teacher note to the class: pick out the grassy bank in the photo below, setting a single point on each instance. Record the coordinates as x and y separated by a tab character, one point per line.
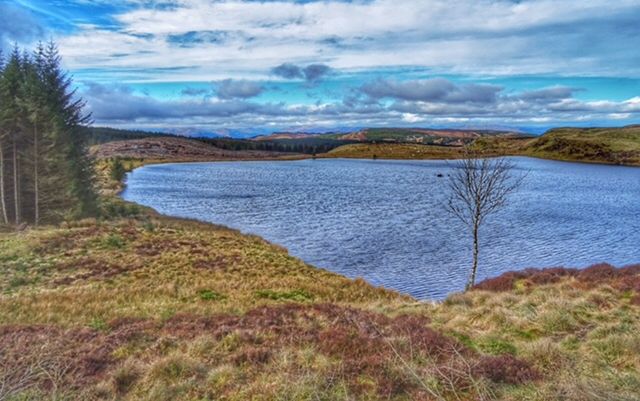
138	306
595	145
394	151
592	145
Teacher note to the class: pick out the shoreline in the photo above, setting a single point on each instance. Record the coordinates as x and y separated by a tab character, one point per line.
149	209
215	224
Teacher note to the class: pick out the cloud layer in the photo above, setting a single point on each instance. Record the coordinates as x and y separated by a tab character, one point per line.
436	102
467	36
288	64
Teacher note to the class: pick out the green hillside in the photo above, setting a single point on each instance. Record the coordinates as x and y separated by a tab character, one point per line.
600	145
593	145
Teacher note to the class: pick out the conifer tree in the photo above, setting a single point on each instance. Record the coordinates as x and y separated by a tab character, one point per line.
3	203
45	172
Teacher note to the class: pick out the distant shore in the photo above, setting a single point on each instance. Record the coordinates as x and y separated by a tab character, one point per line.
614	146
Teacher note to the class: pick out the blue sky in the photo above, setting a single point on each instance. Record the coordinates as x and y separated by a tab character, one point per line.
246	67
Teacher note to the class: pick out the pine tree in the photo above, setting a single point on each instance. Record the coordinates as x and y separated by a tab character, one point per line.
3	203
68	131
10	119
45	172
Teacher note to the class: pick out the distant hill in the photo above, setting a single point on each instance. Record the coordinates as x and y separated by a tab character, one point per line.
601	145
173	149
594	145
619	145
98	135
455	137
284	135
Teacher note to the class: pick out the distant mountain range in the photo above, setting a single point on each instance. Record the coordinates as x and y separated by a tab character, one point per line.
434	136
453	137
618	145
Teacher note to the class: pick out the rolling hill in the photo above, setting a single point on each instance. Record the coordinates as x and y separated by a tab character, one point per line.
174	149
403	135
619	145
600	145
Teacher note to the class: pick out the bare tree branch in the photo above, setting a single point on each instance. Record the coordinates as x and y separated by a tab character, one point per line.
478	188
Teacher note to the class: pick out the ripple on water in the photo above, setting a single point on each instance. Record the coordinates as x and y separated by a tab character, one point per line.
384	220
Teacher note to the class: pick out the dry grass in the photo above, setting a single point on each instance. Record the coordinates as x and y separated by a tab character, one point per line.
152	308
153	268
579	328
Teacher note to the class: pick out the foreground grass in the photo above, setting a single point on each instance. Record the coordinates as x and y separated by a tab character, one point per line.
153	268
139	306
578	328
152	308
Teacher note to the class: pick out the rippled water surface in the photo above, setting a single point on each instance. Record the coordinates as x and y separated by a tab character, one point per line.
385	221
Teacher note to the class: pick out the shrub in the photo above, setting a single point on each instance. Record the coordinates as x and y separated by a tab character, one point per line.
506	369
295	295
125	377
209	295
497	346
113	241
117	170
176	368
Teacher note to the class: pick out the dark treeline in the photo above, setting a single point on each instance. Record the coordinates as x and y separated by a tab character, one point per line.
45	173
312	145
98	135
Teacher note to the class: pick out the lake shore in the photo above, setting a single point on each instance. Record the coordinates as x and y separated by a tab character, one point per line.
140	305
615	146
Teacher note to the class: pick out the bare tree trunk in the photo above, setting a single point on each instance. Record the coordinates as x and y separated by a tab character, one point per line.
3	202
16	183
474	269
35	170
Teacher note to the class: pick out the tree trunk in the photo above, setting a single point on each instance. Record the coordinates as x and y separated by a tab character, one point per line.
474	269
3	202
36	156
16	183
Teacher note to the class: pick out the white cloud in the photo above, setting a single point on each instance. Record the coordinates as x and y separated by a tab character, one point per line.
470	36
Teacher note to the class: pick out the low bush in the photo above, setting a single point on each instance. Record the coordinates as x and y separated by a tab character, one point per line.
295	295
506	369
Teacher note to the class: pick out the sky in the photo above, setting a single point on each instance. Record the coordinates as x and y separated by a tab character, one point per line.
250	67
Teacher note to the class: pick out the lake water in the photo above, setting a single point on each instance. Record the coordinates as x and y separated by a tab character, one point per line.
385	221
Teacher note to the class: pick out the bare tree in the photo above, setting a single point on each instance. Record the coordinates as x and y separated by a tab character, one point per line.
478	188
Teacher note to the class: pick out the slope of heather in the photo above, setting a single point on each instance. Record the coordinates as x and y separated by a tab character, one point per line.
154	308
174	149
